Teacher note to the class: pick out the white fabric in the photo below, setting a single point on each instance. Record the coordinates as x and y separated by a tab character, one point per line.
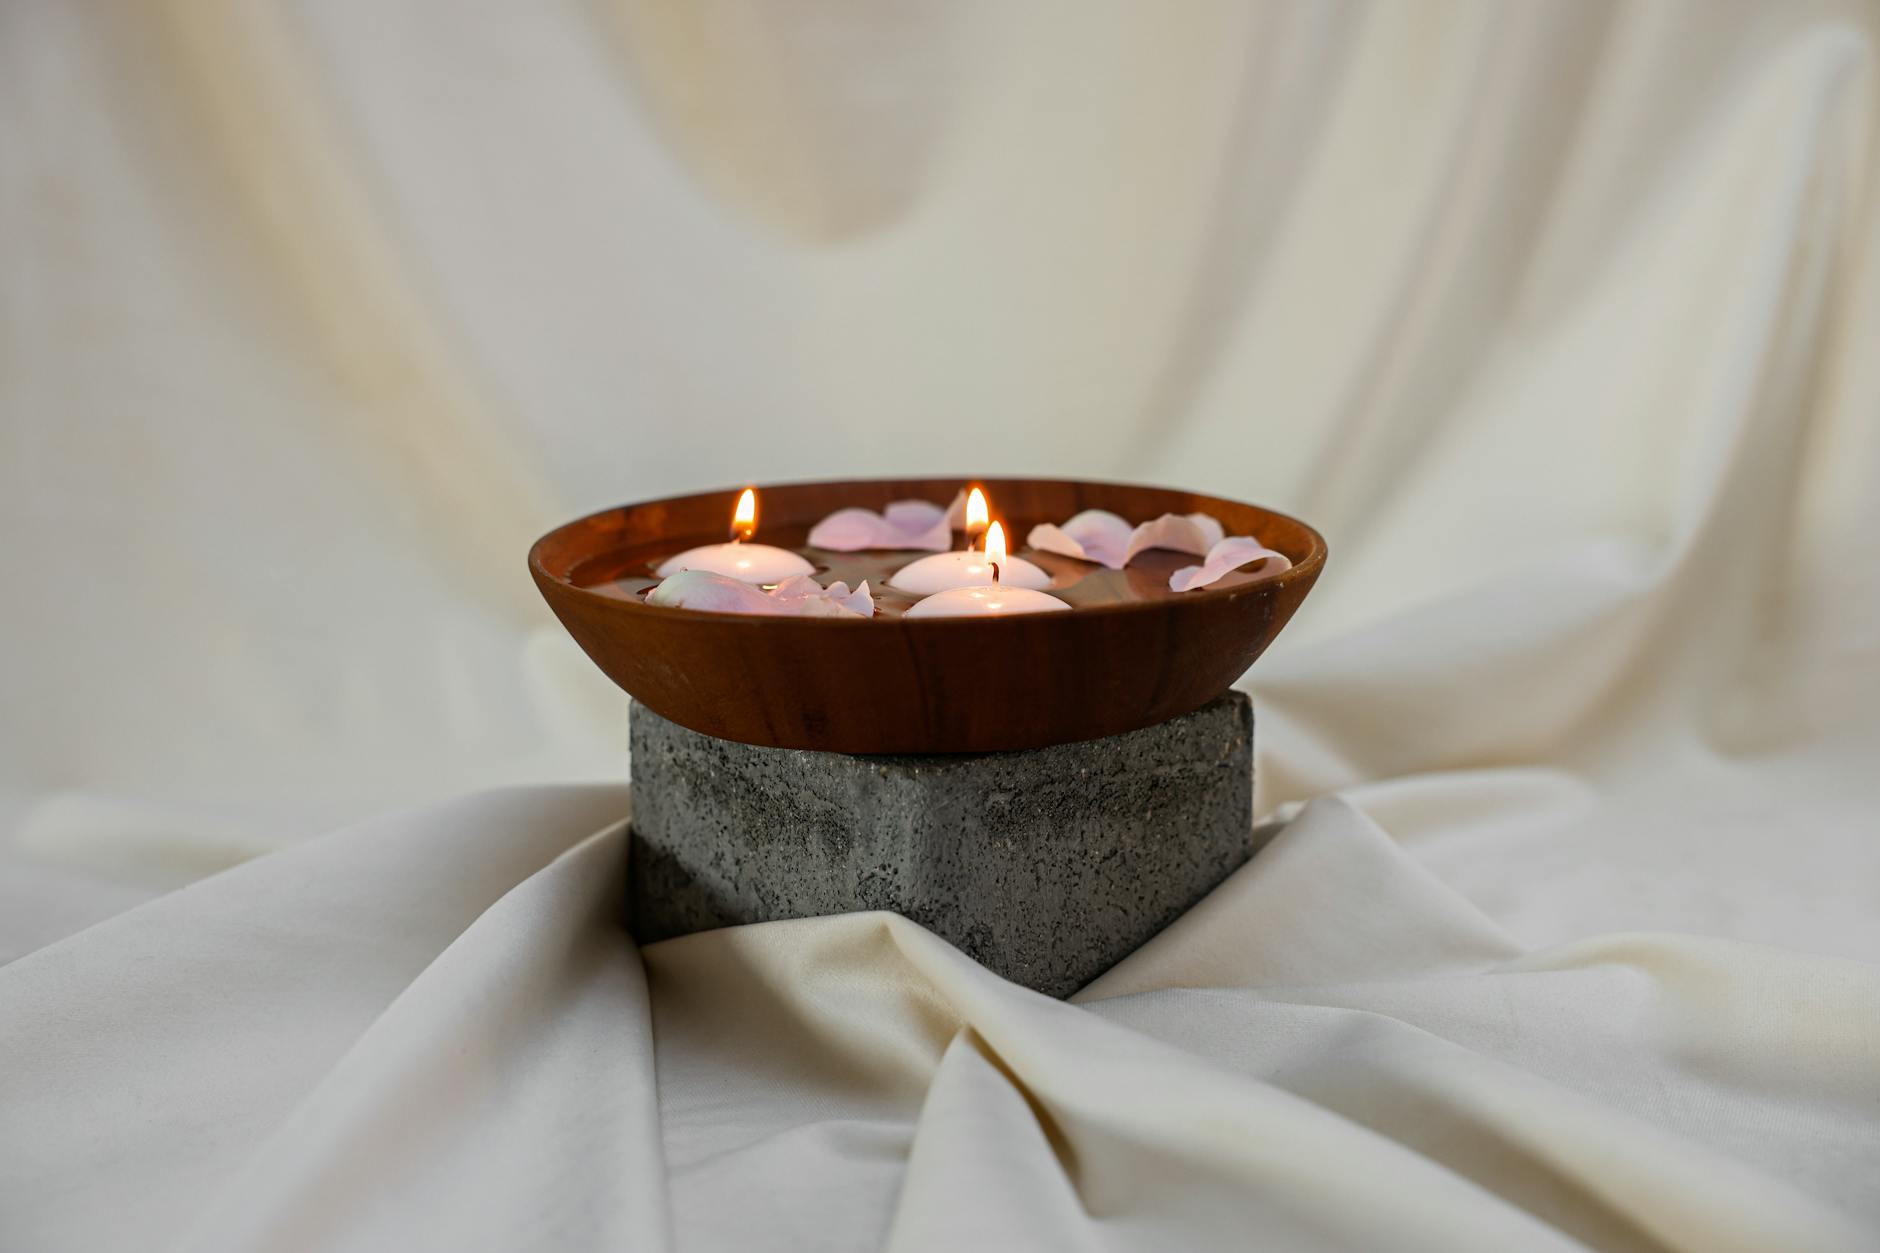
428	1032
1558	319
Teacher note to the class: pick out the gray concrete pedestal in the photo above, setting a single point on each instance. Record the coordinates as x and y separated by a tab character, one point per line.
1048	866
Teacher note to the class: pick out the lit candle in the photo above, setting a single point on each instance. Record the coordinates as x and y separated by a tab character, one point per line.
995	600
741	559
978	516
967	569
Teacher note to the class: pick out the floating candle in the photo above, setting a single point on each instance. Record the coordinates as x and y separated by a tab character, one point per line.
967	569
956	570
994	600
740	559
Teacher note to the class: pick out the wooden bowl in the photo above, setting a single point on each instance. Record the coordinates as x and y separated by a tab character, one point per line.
1128	655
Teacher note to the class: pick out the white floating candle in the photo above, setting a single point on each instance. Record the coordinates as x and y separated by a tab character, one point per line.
739	559
967	569
996	599
983	602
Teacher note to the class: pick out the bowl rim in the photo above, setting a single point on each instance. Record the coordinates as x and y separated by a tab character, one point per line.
1306	569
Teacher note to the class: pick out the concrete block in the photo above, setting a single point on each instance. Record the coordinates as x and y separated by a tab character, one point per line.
1048	865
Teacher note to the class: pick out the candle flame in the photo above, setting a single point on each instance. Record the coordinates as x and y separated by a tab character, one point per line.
744	520
977	515
995	549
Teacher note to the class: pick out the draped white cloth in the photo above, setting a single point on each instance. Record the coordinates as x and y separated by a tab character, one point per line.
1558	319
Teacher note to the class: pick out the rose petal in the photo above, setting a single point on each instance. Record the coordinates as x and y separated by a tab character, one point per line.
796	587
904	524
713	593
956	514
1093	535
860	601
837	600
913	515
1230	554
799	596
847	530
1101	536
1171	531
1048	537
937	538
922	523
819	607
1211	529
1104	536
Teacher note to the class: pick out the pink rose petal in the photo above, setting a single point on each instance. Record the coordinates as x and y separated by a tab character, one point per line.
811	599
1230	554
861	601
799	596
713	593
796	587
1048	537
1175	532
848	530
1093	535
905	524
915	516
1210	527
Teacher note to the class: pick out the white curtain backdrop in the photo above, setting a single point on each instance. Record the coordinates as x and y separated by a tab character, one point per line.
1559	319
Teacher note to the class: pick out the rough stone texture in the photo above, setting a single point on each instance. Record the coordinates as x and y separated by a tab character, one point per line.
1048	866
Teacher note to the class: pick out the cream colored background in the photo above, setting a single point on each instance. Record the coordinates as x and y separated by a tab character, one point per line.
1559	319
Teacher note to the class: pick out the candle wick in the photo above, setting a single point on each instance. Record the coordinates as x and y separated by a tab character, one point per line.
995	571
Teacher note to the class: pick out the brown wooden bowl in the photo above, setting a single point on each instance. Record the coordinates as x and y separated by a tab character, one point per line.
1128	655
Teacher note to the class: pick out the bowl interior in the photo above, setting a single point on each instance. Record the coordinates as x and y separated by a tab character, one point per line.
632	540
